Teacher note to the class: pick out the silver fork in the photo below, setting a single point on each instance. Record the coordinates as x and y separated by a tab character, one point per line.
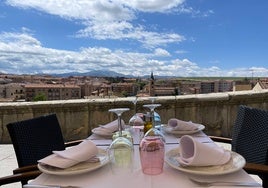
205	183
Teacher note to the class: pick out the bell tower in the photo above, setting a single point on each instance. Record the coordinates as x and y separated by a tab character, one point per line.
151	85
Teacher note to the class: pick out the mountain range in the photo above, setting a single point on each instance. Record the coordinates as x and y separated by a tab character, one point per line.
103	73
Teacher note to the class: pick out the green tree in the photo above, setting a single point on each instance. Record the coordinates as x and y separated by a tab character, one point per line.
141	85
124	94
40	97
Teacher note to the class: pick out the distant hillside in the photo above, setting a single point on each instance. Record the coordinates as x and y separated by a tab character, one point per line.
105	73
95	73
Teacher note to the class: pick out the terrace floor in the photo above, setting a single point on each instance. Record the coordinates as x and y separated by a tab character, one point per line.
8	162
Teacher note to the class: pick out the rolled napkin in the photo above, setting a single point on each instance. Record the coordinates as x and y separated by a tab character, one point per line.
110	127
195	153
85	151
179	125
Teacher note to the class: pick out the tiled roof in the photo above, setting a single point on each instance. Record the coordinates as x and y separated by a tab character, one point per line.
50	86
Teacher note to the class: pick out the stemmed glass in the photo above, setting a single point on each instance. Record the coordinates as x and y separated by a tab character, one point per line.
152	99
135	120
153	131
152	147
157	118
121	149
134	101
118	112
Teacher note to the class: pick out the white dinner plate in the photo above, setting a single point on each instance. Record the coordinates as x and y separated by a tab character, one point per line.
236	163
169	130
78	168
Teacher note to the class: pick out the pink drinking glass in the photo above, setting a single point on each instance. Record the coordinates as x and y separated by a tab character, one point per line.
152	154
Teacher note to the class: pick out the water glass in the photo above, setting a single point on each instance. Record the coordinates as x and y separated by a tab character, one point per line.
121	154
152	154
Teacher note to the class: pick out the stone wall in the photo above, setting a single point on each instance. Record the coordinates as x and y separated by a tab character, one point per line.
217	111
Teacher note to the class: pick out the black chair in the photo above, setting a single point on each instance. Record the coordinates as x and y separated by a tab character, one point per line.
250	139
19	177
34	139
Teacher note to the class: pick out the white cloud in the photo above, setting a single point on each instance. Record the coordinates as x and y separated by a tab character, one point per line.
125	30
104	19
21	53
161	52
19	38
191	11
153	5
106	30
181	51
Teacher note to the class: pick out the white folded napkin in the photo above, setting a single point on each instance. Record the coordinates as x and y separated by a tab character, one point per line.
85	151
195	153
110	127
179	125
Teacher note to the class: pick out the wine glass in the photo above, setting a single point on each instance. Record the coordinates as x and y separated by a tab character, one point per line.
134	101
152	147
118	112
136	120
153	131
121	149
152	99
157	118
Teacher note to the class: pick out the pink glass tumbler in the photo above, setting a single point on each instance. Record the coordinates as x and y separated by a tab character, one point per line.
152	153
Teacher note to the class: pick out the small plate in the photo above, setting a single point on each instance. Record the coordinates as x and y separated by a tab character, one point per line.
169	130
236	163
80	168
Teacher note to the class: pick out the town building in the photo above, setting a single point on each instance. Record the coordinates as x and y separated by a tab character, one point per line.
28	87
52	91
12	91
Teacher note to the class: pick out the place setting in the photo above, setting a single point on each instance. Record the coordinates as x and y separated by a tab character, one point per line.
176	128
107	130
82	158
195	157
179	127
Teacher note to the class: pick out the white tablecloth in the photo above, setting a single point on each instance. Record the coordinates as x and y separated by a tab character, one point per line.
104	177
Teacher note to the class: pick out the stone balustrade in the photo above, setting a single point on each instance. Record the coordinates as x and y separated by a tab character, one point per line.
217	111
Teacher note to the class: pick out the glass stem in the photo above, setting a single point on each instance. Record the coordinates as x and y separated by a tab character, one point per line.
153	121
120	125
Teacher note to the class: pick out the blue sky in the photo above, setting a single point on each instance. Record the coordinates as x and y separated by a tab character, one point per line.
168	37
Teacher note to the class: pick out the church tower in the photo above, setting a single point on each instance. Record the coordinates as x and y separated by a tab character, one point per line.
151	85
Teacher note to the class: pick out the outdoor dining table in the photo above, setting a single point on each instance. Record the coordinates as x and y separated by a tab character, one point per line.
104	177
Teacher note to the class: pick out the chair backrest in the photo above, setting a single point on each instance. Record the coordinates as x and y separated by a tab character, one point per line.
35	138
250	134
